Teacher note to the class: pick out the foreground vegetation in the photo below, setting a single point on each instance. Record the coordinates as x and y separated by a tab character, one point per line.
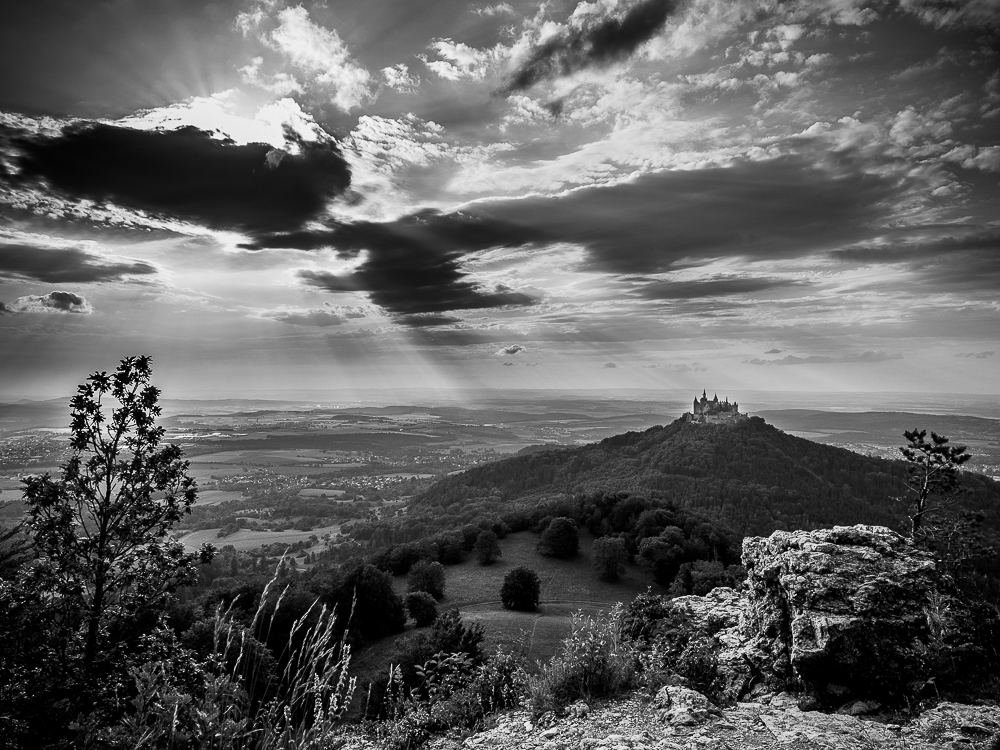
116	637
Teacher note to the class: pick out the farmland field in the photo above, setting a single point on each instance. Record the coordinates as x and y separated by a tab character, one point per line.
213	497
246	539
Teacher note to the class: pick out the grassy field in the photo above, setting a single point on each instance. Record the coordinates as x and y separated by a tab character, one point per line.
324	492
245	539
567	586
214	497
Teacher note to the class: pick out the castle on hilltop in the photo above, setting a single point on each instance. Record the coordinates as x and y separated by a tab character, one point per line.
711	411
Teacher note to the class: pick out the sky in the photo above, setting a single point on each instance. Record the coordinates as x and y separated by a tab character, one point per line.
726	194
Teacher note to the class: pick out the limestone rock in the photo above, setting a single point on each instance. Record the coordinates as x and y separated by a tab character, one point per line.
683	706
858	612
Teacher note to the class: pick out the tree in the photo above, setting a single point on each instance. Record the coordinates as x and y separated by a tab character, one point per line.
932	482
609	557
427	576
487	548
521	589
422	608
560	538
101	528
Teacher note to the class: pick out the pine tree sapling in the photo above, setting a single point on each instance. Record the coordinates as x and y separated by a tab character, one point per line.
521	589
932	482
101	528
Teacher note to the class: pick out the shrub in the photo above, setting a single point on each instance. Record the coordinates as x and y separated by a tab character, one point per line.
452	694
521	589
595	662
422	608
487	548
609	558
427	576
644	614
560	539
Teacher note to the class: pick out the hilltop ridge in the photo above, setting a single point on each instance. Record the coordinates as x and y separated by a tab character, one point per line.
745	472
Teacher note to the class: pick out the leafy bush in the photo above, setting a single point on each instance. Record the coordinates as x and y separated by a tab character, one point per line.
560	539
422	608
595	661
427	576
521	589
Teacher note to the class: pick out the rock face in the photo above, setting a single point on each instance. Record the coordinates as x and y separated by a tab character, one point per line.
858	612
850	614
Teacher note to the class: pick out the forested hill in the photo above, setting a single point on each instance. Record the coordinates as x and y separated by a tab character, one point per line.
748	474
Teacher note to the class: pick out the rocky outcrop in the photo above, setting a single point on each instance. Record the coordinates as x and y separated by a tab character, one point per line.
848	615
772	722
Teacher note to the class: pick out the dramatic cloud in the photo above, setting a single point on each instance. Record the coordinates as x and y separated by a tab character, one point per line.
758	209
594	44
977	355
187	174
64	265
53	302
870	356
413	265
511	350
317	53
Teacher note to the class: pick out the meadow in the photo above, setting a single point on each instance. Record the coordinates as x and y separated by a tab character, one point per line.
568	586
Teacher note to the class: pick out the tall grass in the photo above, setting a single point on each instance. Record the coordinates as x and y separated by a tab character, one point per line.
238	701
311	693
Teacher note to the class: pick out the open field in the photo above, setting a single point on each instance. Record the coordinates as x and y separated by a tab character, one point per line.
214	497
321	492
246	539
567	586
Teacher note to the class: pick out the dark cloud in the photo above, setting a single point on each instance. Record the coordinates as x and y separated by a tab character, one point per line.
597	44
779	208
187	174
959	258
53	302
6	310
413	265
869	356
976	355
511	350
64	265
774	351
771	209
508	364
667	290
609	365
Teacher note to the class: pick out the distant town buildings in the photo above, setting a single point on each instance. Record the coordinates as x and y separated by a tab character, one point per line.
708	411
